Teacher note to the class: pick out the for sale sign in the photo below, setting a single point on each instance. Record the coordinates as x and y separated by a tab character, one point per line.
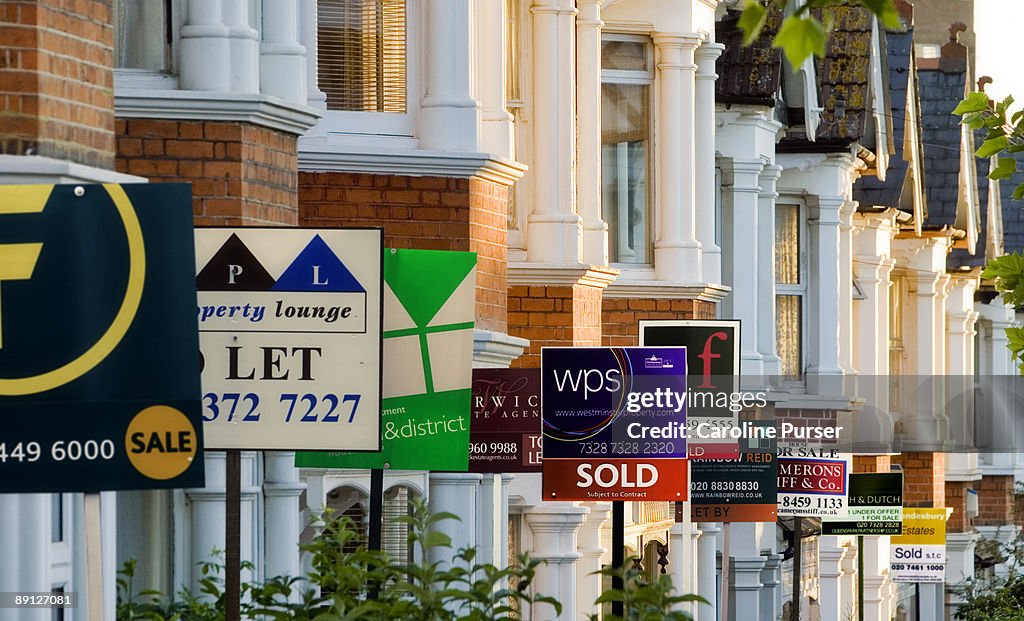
919	554
504	433
875	506
290	337
813	482
614	421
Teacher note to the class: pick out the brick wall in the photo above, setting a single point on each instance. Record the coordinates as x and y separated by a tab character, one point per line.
241	174
428	213
923	479
56	80
554	316
871	463
996	502
956	497
620	317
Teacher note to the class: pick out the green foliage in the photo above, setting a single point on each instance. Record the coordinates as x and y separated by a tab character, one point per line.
353	583
1003	604
802	33
642	600
1007	273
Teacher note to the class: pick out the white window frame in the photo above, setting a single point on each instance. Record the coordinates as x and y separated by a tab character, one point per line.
645	78
801	290
384	125
146	79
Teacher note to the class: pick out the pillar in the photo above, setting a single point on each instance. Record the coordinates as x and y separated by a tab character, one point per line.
877	585
830	572
456	493
771	581
845	326
283	67
677	253
281	491
553	227
707	576
741	192
244	46
704	139
207	517
308	39
489	525
959	568
824	291
747	565
496	122
449	115
554	527
588	132
766	337
205	50
25	539
591	551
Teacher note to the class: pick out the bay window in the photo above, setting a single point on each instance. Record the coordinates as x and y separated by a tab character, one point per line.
790	289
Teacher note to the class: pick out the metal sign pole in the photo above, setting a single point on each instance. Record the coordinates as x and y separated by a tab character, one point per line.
233	537
618	548
798	530
860	577
376	519
726	573
93	556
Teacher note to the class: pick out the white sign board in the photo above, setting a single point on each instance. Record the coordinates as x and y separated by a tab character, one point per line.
813	482
290	337
919	554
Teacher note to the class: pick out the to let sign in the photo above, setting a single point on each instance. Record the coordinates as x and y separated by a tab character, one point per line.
504	434
290	337
614	423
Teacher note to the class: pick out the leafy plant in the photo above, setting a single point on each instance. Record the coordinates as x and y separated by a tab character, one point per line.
643	600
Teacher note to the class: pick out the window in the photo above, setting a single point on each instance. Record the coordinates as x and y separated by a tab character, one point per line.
361	54
56	518
790	286
626	76
897	353
143	34
351	503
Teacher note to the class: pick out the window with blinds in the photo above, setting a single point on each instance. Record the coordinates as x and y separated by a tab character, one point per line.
361	54
790	288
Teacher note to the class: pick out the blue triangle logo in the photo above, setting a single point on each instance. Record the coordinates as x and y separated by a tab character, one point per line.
317	268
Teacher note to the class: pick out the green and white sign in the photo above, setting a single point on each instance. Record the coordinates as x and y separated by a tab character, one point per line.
875	506
429	302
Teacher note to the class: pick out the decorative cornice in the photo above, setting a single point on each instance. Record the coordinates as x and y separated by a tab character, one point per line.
551	275
262	110
38	169
662	290
496	349
315	157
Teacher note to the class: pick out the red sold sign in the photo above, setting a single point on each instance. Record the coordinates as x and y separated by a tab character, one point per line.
616	479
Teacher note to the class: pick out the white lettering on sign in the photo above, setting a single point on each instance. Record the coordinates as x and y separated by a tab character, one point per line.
609	475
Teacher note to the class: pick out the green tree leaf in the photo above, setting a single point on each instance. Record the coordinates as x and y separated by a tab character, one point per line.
975	102
752	20
799	37
993	146
1004	169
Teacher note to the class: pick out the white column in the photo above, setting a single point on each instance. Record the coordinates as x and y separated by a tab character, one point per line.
932	601
848	601
591	551
244	47
824	291
554	527
25	537
771	581
683	539
449	116
845	325
283	67
707	576
454	493
747	564
108	549
205	54
208	517
704	139
553	227
492	42
741	191
588	120
308	39
830	571
765	253
488	525
677	253
281	491
877	604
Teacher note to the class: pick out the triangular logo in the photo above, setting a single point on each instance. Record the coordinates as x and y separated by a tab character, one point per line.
445	271
317	268
234	268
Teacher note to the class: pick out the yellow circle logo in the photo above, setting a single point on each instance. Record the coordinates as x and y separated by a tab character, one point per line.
122	321
161	442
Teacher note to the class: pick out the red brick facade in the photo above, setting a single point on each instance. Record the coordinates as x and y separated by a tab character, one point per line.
56	80
923	479
956	497
241	174
996	501
871	463
554	316
429	213
620	317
